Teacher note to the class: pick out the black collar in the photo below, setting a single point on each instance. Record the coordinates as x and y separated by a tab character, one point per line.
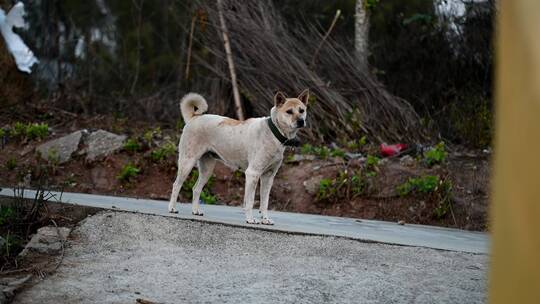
293	142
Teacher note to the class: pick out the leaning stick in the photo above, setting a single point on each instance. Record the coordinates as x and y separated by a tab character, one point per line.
189	45
226	43
338	12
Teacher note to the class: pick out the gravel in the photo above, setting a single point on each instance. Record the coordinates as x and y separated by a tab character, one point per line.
116	257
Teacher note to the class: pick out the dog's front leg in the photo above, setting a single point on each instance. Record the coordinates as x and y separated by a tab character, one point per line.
267	179
252	179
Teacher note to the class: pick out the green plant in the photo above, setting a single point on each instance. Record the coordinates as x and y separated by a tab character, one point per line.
132	145
150	134
30	131
11	164
53	157
344	187
424	184
163	152
6	214
372	161
128	172
337	152
37	131
326	189
3	133
180	124
321	152
435	155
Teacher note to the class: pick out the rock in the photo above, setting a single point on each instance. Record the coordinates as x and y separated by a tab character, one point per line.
102	143
312	185
10	285
47	240
407	161
350	155
401	222
60	149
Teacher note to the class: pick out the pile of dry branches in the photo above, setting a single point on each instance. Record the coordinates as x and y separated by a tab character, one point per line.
271	56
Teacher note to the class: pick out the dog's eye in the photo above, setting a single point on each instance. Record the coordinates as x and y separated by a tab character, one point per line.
301	111
289	111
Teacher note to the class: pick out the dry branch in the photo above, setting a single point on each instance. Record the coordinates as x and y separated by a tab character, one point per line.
270	56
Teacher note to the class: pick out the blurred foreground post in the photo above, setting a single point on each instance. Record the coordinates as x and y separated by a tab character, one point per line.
515	265
237	102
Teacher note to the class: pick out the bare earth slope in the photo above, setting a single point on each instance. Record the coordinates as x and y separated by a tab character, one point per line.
116	257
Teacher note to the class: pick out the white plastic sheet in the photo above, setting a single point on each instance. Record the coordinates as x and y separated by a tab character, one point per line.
24	58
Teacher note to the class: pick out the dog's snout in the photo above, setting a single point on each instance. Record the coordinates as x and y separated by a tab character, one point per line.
300	122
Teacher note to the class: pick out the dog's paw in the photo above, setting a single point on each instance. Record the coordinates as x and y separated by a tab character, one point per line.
197	212
173	210
252	221
267	221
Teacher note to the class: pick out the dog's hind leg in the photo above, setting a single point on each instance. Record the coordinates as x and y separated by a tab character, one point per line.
206	166
185	165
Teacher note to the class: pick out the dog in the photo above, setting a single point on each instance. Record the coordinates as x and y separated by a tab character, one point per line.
255	145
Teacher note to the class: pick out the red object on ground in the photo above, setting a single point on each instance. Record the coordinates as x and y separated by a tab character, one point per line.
391	150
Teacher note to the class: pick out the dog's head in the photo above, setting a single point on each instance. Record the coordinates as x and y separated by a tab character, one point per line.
291	112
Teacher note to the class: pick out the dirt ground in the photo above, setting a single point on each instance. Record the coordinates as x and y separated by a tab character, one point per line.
112	258
294	188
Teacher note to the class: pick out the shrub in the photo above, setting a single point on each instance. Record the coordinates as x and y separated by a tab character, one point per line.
30	131
344	187
11	164
128	172
163	152
432	186
132	145
6	214
372	161
435	155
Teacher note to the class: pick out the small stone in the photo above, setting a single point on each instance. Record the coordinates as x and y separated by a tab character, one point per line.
47	240
300	157
401	222
407	161
312	185
350	155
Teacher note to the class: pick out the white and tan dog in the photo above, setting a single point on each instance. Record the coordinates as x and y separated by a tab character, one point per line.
255	145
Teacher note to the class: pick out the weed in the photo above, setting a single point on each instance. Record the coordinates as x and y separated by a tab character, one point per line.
30	131
53	157
6	214
321	152
163	152
372	161
344	187
337	152
149	135
435	155
357	144
132	145
11	164
425	184
431	186
128	172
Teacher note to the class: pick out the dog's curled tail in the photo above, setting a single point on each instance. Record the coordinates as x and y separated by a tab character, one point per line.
192	104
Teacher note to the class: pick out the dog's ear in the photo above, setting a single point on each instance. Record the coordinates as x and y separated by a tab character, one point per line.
304	96
279	99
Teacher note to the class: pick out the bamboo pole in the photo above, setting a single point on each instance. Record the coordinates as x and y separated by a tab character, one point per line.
226	43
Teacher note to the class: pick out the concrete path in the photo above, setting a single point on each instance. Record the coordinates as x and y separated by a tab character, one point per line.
365	230
119	257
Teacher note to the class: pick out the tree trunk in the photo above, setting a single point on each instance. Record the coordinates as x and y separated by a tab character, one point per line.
361	32
237	102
